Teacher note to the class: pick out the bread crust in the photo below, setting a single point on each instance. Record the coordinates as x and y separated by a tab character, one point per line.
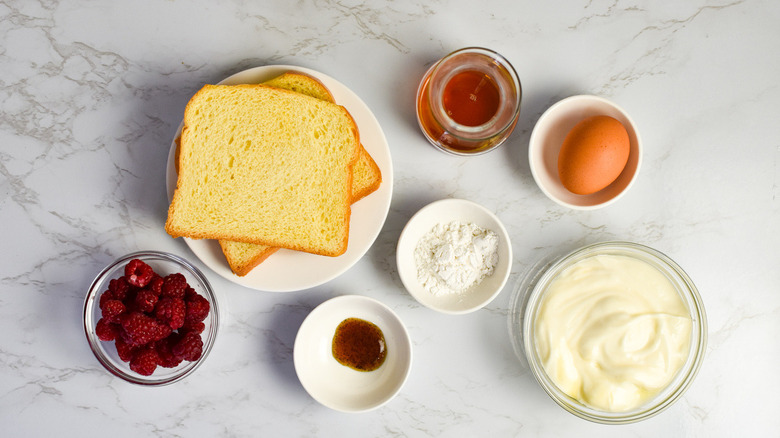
242	268
375	181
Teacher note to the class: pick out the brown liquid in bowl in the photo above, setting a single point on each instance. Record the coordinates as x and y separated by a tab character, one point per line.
359	344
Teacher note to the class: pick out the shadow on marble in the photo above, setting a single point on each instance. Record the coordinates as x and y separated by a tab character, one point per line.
285	320
405	100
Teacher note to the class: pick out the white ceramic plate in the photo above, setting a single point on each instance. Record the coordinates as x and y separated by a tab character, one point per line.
443	212
286	270
340	387
545	144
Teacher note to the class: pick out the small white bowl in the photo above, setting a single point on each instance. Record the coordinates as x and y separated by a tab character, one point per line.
443	212
335	385
546	140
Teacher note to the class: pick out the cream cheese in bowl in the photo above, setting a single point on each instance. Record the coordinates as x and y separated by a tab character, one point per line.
614	332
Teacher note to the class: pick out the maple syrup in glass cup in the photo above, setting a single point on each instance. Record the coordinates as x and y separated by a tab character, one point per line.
469	101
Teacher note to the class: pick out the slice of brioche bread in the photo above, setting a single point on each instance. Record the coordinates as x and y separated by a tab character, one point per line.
259	164
366	176
293	81
301	83
243	257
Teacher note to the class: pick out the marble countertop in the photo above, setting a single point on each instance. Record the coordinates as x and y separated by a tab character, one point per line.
92	93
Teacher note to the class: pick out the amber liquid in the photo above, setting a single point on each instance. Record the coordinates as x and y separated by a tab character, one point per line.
470	98
359	344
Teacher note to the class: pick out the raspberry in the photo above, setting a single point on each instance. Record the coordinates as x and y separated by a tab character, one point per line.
155	285
105	330
193	327
139	329
174	286
123	349
105	296
112	310
190	347
118	287
197	308
164	351
189	292
130	299
138	273
144	361
141	312
170	311
145	300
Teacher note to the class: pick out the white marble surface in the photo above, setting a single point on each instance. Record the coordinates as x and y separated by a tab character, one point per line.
92	92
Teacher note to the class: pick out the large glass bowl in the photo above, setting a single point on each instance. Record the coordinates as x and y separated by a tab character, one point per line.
530	293
163	264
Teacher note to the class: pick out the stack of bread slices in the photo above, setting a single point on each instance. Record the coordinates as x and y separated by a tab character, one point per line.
268	166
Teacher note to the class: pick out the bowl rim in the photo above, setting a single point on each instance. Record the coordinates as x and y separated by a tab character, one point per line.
95	344
534	148
401	336
404	245
531	289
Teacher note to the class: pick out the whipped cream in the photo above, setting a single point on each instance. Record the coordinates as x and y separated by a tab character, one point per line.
612	332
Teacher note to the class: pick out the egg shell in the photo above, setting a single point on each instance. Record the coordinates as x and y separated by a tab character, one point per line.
593	155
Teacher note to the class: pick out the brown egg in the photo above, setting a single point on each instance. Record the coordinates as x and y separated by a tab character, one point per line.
593	155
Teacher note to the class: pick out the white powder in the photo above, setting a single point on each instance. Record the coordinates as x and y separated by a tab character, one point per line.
453	257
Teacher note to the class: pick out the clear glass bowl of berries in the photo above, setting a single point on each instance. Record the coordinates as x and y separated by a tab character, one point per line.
151	318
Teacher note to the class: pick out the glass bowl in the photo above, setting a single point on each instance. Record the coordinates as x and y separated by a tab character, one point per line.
529	295
163	264
435	118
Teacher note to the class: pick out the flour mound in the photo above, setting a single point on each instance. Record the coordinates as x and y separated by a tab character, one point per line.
453	257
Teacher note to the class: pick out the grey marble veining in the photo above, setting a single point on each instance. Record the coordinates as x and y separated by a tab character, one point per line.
91	95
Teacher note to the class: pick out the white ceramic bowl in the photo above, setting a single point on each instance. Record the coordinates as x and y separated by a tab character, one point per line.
443	212
335	385
546	140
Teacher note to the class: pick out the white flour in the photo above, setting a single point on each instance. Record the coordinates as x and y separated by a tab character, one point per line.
454	257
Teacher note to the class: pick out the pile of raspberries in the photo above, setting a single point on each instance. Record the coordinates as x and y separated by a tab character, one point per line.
153	321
